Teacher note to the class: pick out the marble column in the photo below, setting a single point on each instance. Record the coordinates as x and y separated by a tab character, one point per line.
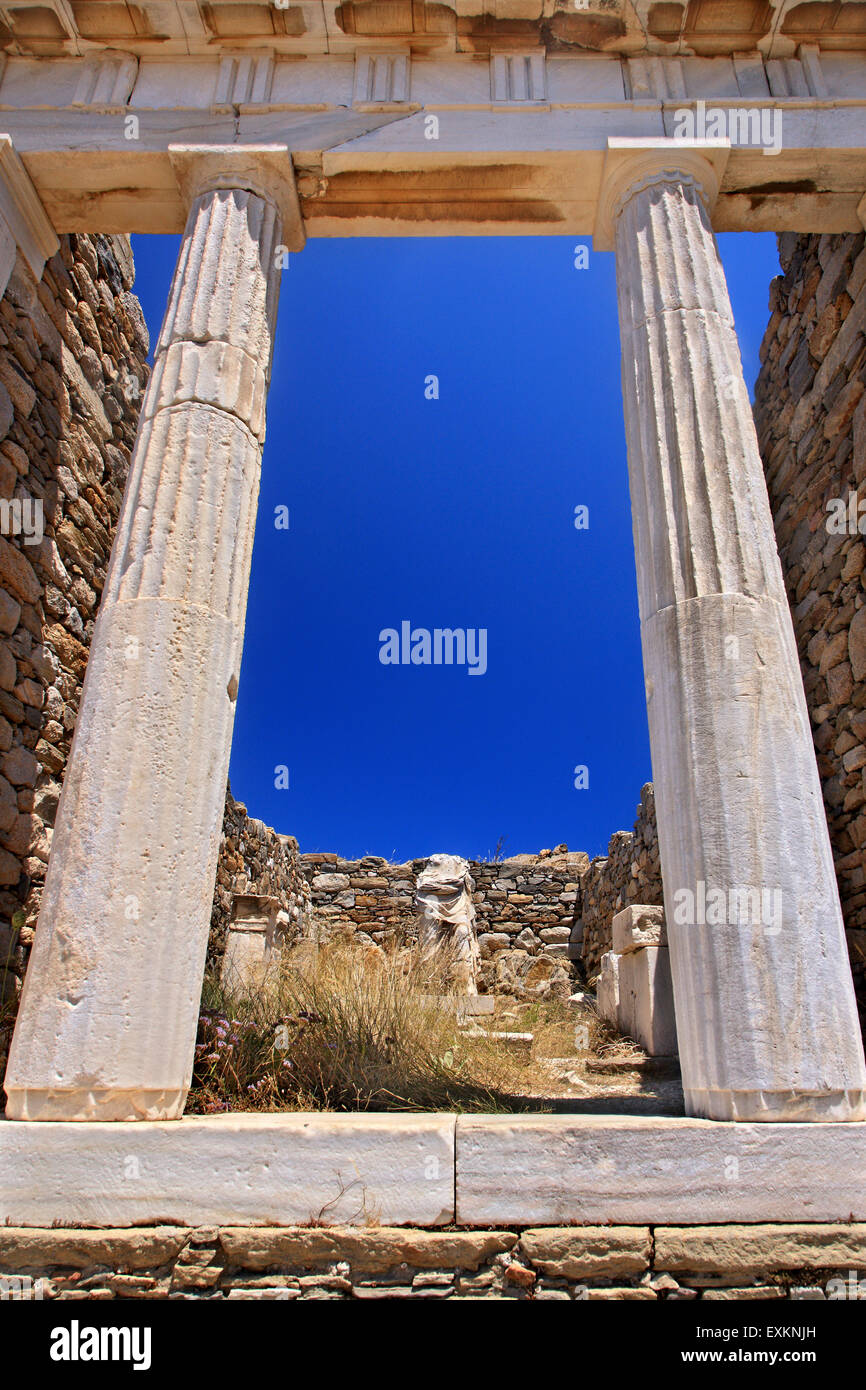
107	1023
765	1009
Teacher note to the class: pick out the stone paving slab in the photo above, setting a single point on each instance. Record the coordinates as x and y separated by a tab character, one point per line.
243	1169
399	1170
537	1170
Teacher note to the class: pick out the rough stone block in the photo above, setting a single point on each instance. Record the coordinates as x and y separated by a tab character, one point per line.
618	1295
371	1251
17	574
25	1248
330	883
756	1292
588	1251
761	1249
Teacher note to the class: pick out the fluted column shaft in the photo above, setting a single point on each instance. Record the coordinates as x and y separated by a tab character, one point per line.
766	1018
107	1024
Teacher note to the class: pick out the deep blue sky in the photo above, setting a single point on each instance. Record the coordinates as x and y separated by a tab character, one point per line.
456	512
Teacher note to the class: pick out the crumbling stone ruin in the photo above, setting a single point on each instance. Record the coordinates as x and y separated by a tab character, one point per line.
249	128
72	370
524	909
254	859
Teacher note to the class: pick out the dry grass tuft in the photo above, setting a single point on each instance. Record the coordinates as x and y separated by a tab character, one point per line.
560	1031
607	1043
349	1028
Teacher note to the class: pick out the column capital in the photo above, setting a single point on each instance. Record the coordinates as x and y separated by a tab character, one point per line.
265	170
632	161
23	219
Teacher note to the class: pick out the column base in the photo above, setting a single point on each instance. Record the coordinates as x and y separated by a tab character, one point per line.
109	1103
775	1106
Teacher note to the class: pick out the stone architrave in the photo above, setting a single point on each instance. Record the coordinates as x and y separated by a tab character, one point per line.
443	898
24	225
107	1024
765	1010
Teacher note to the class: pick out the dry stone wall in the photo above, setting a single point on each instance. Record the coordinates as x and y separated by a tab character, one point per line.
810	411
370	897
524	911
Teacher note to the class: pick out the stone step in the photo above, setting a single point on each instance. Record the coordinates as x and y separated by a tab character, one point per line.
657	1067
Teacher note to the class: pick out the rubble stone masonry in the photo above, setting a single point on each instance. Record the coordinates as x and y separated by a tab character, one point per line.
543	1263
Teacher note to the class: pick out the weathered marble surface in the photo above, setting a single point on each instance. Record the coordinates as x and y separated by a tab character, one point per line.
107	1022
523	1170
257	932
552	1169
637	926
446	912
250	1169
765	1007
646	1000
635	989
